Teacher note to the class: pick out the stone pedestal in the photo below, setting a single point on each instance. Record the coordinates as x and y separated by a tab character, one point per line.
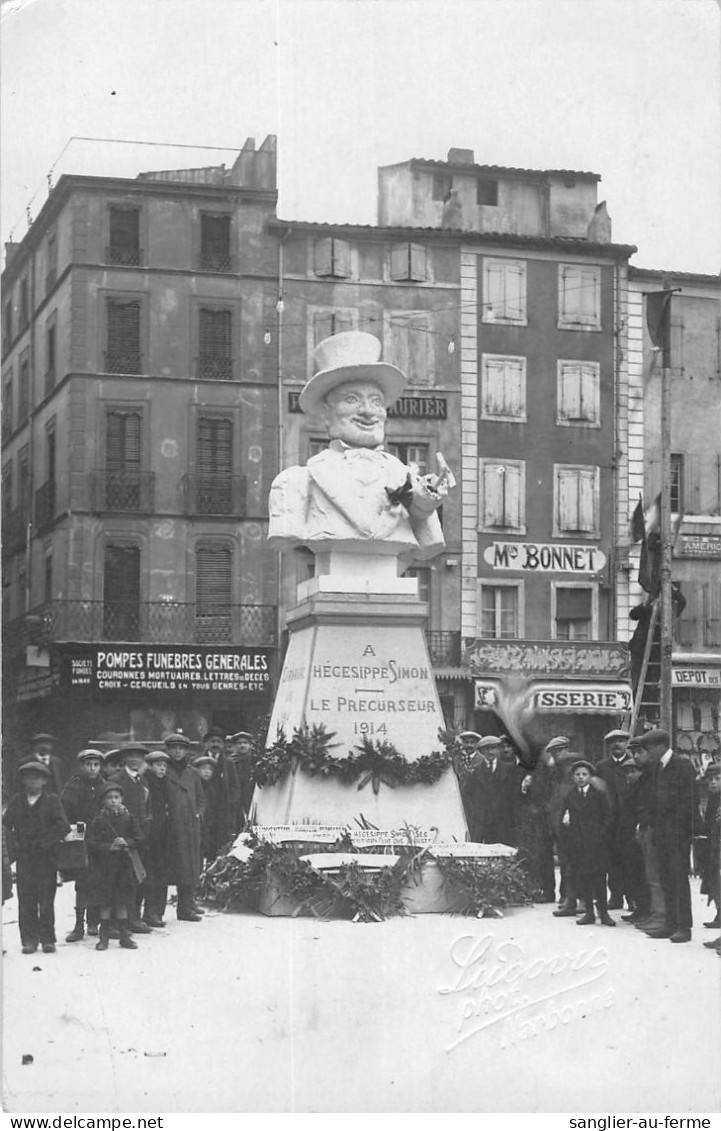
357	662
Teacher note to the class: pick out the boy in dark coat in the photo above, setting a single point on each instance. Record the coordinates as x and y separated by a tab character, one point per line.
223	792
206	768
81	800
36	822
157	852
136	798
711	829
587	820
112	835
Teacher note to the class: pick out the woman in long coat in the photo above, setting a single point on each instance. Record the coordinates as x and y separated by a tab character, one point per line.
186	805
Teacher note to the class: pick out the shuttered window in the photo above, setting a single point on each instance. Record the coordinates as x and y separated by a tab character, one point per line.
409	346
577	502
503	387
122	441
214	480
408	261
504	291
215	343
121	592
579	296
329	322
24	388
50	352
579	393
215	242
123	336
213	593
124	232
8	409
332	258
503	495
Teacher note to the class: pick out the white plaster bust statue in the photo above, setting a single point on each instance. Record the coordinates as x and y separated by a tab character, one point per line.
354	496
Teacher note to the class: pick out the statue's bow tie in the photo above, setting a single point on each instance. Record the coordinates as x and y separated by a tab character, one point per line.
365	453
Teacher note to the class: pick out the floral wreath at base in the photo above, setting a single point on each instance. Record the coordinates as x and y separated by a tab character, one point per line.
372	762
481	886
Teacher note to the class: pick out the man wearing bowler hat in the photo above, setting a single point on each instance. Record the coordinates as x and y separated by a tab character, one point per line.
673	816
355	493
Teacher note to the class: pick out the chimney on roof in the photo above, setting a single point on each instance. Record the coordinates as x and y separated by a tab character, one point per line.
460	156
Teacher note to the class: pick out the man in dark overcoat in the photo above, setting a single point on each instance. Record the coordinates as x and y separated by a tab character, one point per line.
36	823
587	819
136	798
223	790
675	813
240	748
157	851
186	806
625	874
490	793
81	800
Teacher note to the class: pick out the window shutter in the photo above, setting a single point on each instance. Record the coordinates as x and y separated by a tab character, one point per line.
586	502
692	484
494	400
573	604
515	287
121	574
590	394
400	261
567	499
512	496
322	325
215	334
400	352
493	495
215	237
341	258
215	447
123	326
513	388
570	392
125	228
495	289
123	441
323	257
418	262
212	580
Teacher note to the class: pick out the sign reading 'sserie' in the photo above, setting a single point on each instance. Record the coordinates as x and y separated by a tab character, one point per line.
566	698
119	667
535	557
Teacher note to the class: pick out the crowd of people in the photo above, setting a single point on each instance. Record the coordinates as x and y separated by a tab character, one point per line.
621	829
126	826
132	822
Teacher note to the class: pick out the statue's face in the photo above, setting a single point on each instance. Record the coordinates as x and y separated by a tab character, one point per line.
356	413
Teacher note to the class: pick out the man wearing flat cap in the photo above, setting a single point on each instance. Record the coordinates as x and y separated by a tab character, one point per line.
136	798
625	872
43	748
222	794
186	807
354	493
240	748
673	816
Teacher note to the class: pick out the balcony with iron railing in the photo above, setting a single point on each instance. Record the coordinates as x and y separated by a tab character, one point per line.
211	260
124	256
124	360
153	622
45	504
122	491
444	648
215	494
14	531
214	368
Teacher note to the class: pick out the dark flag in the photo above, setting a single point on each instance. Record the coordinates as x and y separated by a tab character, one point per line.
638	525
658	320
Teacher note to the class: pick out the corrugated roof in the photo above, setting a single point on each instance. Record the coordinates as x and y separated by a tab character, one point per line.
495	170
572	243
689	276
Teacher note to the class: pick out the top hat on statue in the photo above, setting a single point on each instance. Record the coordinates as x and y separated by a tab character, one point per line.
350	356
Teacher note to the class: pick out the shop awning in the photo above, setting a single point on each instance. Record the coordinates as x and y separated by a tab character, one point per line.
570	697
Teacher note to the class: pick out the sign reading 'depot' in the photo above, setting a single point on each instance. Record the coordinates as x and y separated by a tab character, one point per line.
535	557
140	667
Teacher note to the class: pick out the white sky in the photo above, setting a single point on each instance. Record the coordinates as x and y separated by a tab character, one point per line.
630	89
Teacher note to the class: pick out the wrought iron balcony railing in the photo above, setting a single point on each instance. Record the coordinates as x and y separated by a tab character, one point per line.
215	368
122	491
216	261
45	504
215	494
154	622
124	361
444	648
124	256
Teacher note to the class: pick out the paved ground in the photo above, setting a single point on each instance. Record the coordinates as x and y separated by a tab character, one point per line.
241	1013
